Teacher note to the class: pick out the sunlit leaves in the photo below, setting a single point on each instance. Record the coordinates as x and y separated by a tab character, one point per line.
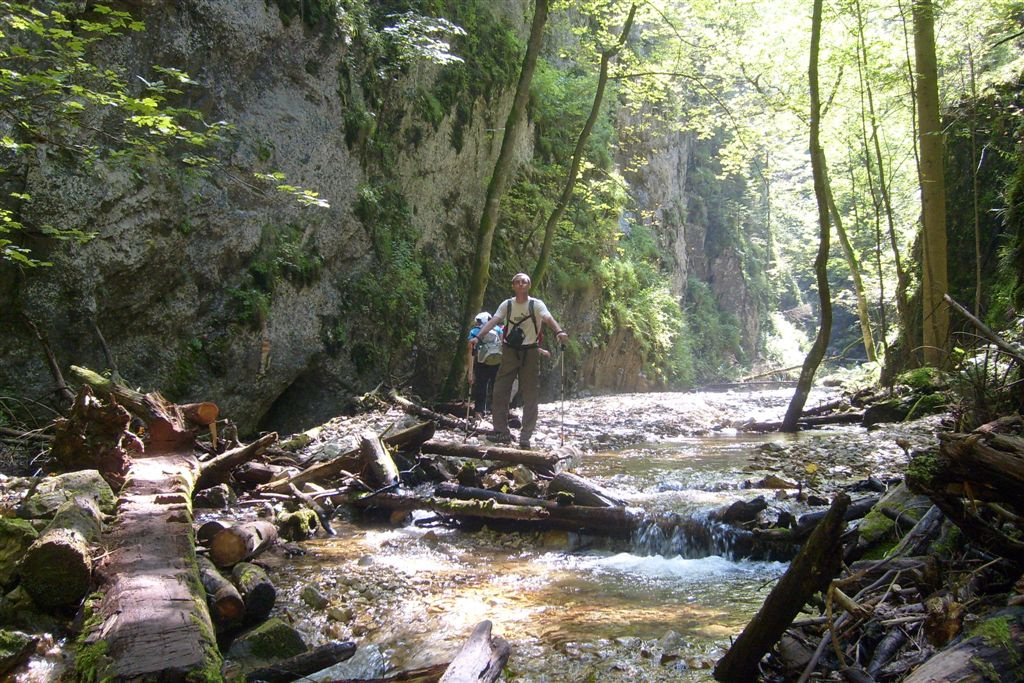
424	37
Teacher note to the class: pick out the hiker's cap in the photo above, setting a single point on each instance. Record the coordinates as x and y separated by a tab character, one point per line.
482	317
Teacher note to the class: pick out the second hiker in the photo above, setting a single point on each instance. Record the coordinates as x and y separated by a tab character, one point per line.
523	317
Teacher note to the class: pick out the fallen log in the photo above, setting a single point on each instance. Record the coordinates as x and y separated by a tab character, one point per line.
810	572
419	411
225	602
383	472
217	470
242	541
615	522
57	568
805	524
450	490
481	659
300	665
95	435
150	620
806	422
166	431
552	463
312	504
584	492
994	650
257	590
351	461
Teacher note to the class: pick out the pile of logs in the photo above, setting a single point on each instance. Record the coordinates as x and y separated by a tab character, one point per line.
943	603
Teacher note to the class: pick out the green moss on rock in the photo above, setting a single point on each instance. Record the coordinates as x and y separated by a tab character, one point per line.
271	640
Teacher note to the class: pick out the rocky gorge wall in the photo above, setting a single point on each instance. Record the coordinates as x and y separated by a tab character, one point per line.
171	289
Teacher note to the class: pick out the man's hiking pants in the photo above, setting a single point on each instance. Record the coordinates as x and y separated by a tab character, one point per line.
525	364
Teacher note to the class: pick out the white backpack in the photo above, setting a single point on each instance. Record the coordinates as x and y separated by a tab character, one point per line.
488	349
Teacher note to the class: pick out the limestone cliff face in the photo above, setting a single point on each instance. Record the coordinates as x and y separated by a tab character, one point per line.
166	282
170	292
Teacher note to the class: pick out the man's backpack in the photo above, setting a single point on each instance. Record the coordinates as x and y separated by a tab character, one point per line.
488	348
514	335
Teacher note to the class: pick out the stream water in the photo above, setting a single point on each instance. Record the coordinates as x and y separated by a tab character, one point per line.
573	608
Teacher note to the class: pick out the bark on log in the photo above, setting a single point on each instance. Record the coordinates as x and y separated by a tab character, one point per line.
805	524
450	490
811	571
383	473
419	411
351	461
57	568
225	602
151	621
584	492
996	650
257	590
317	659
217	470
167	432
544	462
481	659
614	522
241	542
806	422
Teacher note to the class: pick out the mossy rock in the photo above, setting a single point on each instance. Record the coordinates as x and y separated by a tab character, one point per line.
270	641
925	379
298	525
15	648
50	493
16	535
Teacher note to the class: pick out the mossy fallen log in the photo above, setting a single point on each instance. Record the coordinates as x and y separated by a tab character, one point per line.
317	659
257	590
217	470
57	568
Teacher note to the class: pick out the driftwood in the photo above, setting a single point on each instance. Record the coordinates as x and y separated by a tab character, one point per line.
382	470
584	492
151	621
226	606
57	568
240	542
553	462
300	665
257	591
351	461
217	470
481	658
810	572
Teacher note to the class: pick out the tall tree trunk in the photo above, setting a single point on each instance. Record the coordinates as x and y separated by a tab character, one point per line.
817	352
577	155
934	278
495	191
975	171
854	263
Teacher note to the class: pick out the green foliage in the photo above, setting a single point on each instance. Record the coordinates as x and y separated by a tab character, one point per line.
383	306
282	254
313	13
51	91
715	333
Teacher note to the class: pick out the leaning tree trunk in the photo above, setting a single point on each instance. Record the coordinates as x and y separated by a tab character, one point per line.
577	155
934	276
817	352
496	189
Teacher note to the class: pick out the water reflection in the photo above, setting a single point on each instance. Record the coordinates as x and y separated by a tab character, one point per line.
573	608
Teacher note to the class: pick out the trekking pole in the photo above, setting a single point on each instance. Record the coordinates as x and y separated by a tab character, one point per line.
561	392
469	406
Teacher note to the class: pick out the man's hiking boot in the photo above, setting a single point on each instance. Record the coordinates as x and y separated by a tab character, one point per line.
524	444
499	437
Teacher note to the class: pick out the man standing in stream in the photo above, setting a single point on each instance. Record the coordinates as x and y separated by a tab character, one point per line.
523	317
